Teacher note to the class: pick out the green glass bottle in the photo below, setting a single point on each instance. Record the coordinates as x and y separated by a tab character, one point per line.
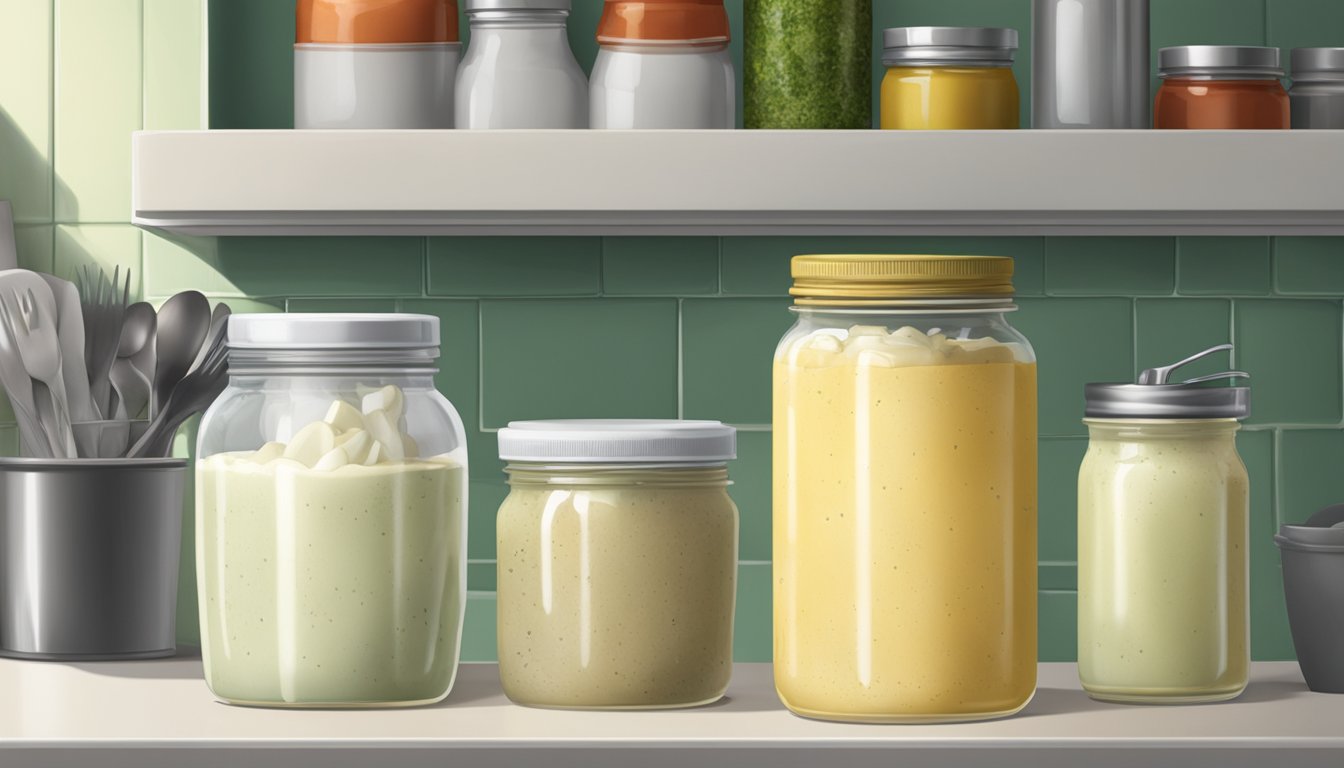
808	64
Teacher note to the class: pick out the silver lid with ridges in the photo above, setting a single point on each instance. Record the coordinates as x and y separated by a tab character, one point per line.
1220	61
1156	397
948	46
1314	63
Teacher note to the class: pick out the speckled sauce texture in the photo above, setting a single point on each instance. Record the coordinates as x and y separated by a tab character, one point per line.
333	588
616	597
1162	562
808	64
905	526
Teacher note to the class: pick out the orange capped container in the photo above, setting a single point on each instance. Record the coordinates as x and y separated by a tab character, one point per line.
651	21
365	64
376	21
1221	87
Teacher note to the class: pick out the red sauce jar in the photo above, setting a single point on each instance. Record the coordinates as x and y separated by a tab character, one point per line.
1221	87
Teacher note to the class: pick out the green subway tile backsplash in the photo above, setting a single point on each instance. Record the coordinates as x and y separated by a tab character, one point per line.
656	327
1224	266
1292	349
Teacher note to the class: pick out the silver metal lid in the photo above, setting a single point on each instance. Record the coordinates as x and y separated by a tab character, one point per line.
1326	63
335	331
602	441
947	46
474	6
1225	61
1155	397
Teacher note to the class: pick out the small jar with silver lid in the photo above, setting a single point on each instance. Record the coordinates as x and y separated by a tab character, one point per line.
949	78
1318	88
1219	87
1163	568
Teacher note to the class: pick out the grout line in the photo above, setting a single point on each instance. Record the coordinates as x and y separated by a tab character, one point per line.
681	365
480	367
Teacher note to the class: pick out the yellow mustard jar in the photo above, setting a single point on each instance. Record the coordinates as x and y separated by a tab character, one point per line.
949	78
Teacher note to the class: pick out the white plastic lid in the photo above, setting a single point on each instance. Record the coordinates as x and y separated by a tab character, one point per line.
333	331
599	441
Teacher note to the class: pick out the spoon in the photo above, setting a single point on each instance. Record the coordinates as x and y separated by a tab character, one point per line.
183	324
193	394
128	380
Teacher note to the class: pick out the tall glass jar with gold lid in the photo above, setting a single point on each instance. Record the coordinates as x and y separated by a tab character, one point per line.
904	492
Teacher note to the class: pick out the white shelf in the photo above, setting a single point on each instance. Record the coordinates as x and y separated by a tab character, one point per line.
739	182
159	713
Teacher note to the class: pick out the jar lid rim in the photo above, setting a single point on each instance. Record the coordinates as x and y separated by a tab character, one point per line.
599	441
334	331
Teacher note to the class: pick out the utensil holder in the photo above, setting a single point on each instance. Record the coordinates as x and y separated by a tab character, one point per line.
1313	586
89	552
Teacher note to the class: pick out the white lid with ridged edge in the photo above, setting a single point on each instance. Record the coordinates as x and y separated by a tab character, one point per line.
297	330
618	441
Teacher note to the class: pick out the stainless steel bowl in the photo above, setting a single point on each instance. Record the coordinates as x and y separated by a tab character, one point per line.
89	553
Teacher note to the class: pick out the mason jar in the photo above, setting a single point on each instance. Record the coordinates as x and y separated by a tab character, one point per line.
904	492
949	78
1221	87
617	563
1163	557
331	498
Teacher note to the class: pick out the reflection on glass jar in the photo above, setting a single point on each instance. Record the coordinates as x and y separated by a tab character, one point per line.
331	515
617	562
904	492
949	78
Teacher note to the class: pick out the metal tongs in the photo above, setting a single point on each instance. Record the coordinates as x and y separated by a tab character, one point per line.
1159	377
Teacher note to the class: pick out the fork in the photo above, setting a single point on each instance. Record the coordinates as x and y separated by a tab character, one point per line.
40	349
19	385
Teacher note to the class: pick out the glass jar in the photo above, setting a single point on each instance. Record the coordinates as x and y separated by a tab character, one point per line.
1163	568
1317	94
1221	87
808	64
331	498
519	71
663	64
904	492
617	558
375	65
949	78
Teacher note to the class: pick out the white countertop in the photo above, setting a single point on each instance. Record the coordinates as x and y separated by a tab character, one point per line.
153	713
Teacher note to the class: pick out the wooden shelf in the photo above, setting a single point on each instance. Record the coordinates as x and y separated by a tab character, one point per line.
740	182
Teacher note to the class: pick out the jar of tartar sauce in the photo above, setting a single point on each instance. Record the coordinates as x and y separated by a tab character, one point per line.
331	525
617	563
663	64
1163	569
519	71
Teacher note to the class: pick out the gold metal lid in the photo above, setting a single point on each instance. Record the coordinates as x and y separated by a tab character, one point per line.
840	279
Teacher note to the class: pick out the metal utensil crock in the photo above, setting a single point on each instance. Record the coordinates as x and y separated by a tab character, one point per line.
89	555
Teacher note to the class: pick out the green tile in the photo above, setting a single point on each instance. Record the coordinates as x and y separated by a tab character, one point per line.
1057	576
109	246
583	31
660	266
1174	329
1270	637
251	53
343	305
25	115
1309	476
753	625
727	346
1292	351
1077	341
959	13
1057	526
286	266
750	490
175	73
35	244
515	266
9	440
1309	265
1305	23
483	500
481	576
1057	626
1223	266
759	266
594	358
97	106
1205	22
1110	266
478	630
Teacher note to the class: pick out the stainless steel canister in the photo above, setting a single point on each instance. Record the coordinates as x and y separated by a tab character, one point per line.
89	557
1090	64
1318	88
